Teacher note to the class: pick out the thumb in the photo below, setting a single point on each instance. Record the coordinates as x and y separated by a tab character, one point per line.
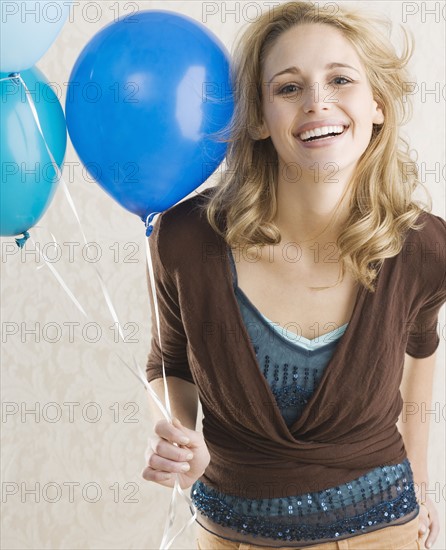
188	432
176	422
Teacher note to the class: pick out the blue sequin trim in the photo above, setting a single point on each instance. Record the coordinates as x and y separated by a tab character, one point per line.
221	509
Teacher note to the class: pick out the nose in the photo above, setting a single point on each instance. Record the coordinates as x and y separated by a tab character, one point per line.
316	98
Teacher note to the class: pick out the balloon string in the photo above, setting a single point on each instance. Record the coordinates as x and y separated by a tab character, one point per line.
12	76
166	411
65	287
172	512
158	326
48	263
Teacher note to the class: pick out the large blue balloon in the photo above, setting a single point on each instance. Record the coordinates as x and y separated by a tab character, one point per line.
28	28
29	179
143	97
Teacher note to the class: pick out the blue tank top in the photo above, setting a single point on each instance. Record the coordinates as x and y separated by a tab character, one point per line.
293	366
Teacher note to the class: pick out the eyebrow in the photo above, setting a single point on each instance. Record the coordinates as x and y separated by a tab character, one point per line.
296	70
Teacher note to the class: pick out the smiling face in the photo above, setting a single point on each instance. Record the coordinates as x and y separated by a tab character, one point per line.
324	92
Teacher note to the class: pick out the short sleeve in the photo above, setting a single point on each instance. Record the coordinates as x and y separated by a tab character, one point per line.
423	337
173	337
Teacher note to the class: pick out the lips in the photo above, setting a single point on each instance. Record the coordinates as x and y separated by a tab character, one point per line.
318	130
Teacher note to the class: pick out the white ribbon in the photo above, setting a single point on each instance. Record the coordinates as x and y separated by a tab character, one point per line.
177	488
137	371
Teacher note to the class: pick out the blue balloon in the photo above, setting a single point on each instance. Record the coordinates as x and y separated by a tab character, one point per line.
28	28
143	98
29	179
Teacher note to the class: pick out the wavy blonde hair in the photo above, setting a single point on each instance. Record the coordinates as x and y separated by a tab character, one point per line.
381	208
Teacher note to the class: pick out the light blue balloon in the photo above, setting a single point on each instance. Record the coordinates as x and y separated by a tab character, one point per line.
27	30
28	179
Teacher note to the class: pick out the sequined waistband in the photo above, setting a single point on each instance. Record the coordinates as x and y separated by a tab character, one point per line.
381	497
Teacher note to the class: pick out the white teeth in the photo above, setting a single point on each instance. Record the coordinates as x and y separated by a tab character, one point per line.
322	131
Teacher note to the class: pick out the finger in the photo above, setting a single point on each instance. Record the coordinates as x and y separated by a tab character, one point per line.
165	449
196	438
171	433
433	534
150	474
164	465
423	523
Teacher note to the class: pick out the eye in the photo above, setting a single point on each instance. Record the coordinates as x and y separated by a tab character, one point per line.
346	80
287	89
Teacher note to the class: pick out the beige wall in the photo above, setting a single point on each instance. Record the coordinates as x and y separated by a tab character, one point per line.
81	450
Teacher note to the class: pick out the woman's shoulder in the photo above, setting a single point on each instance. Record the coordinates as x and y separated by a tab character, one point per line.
182	230
431	237
424	251
186	216
434	225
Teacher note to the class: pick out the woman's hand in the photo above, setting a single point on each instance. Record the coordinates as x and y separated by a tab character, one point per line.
429	522
164	459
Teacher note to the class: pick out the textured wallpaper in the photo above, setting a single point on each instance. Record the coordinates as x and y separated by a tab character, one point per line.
75	421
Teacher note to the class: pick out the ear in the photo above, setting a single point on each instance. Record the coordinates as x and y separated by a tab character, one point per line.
263	131
378	115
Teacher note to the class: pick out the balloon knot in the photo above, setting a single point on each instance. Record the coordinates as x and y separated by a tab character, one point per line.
148	225
15	77
22	240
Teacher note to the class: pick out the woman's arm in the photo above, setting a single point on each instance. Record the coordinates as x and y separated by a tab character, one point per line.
413	424
183	398
414	421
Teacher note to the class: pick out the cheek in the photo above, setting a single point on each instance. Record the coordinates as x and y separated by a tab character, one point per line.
358	106
277	118
274	120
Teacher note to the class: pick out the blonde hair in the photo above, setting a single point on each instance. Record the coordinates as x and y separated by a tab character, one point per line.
381	208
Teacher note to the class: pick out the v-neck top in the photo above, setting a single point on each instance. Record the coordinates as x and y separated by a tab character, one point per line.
299	339
383	497
275	348
290	336
340	434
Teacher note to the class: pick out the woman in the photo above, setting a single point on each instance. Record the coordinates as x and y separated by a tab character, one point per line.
298	370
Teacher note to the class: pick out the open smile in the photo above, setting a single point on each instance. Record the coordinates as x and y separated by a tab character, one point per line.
321	136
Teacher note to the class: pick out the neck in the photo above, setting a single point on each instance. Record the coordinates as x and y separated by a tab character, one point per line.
306	210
